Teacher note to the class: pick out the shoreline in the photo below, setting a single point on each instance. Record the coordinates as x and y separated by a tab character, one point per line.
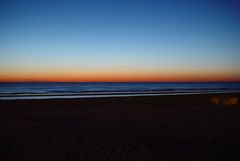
108	95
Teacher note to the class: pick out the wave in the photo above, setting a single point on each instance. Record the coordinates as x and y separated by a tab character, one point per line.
106	94
34	90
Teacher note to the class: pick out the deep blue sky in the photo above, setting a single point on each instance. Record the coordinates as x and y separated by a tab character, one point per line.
150	37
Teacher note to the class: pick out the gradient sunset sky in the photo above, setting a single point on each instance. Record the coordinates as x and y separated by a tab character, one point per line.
119	40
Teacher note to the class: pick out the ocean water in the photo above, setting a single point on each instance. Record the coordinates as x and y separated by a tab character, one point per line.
11	91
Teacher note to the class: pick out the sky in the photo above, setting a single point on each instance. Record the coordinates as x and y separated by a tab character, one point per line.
119	40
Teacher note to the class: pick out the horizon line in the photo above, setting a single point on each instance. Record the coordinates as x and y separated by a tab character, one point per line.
120	82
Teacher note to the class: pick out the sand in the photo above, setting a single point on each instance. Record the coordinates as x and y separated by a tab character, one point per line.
154	128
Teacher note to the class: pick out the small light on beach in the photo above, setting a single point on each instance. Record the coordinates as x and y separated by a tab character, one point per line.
224	101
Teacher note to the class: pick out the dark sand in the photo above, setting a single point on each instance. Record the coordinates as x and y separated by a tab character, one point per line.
155	128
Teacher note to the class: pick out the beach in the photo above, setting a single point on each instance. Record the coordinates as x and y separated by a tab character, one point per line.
144	128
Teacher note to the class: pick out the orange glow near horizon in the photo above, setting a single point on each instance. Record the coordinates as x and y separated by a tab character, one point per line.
120	77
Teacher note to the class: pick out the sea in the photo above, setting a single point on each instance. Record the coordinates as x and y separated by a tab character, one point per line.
36	90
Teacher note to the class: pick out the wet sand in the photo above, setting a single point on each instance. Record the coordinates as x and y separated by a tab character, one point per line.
154	128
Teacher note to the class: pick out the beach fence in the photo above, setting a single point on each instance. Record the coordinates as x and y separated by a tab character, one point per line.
223	101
